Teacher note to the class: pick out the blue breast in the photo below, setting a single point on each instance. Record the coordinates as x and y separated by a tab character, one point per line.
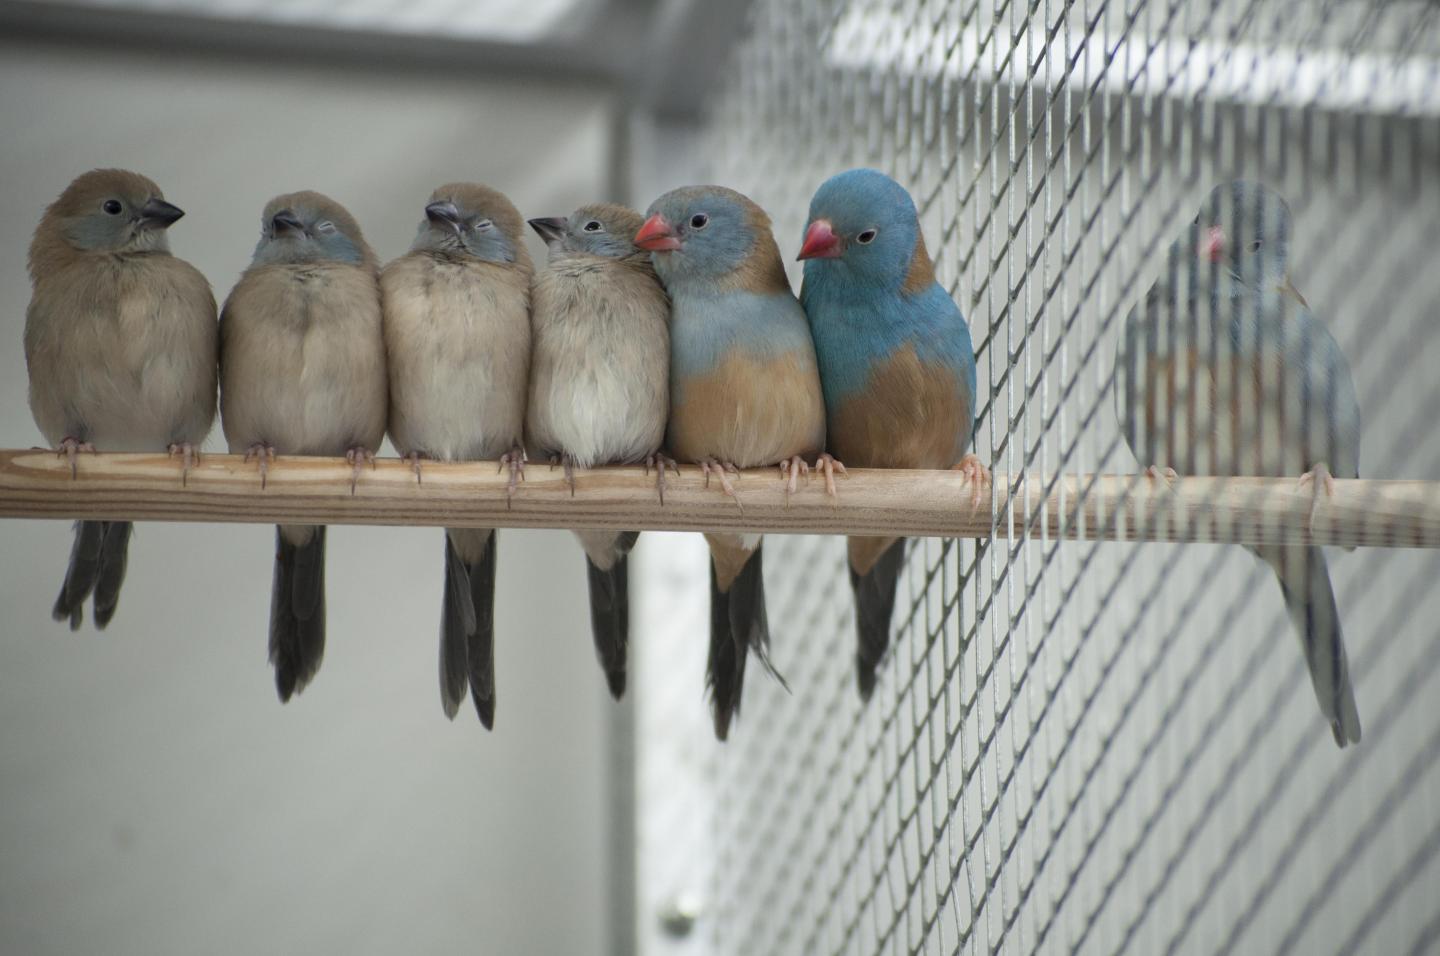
854	329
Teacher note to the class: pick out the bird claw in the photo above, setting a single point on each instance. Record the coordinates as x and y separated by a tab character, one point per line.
515	460
660	461
1318	479
567	462
791	470
263	454
358	458
1156	473
722	470
189	458
71	447
830	466
977	474
414	459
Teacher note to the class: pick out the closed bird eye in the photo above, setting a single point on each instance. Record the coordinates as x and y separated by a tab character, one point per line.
699	221
866	237
325	226
482	225
111	206
594	226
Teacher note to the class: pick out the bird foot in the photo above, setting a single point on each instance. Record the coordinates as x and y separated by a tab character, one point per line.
567	464
358	458
977	474
660	461
1156	473
71	447
1320	481
515	460
189	458
264	454
722	470
791	471
414	459
830	466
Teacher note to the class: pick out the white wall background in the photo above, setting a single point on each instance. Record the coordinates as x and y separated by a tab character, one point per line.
154	795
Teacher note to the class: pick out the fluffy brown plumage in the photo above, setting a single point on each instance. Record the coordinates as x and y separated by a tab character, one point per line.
120	342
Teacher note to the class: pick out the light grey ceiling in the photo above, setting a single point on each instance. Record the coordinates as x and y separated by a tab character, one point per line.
663	55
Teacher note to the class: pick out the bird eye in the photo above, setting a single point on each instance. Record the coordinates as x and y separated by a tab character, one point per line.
699	221
325	226
112	206
1256	244
594	226
482	225
866	237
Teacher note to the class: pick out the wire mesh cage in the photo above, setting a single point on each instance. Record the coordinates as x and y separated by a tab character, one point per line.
1078	745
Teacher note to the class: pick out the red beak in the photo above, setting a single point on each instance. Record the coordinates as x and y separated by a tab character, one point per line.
1212	247
657	235
820	242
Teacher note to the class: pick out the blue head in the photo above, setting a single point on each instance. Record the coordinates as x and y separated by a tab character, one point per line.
712	236
308	227
1244	228
104	210
471	221
863	227
600	229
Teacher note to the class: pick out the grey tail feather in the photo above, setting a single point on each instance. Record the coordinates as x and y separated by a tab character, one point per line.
81	574
874	606
738	625
467	632
114	553
610	613
1310	599
297	612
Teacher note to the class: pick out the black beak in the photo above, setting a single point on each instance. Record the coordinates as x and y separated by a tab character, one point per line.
158	212
285	223
444	215
551	230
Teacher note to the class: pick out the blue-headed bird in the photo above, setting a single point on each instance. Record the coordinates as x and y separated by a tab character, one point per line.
1223	370
744	391
896	362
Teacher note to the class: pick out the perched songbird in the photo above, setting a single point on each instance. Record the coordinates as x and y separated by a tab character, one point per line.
457	333
1223	370
302	372
600	384
120	344
744	391
896	363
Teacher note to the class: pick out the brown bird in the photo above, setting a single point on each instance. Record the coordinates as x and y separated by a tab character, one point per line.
457	330
600	384
120	345
302	372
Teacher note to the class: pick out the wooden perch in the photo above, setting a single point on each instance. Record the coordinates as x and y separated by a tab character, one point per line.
38	484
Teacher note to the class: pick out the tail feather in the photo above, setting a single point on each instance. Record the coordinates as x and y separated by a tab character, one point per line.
738	625
467	631
457	621
297	609
1310	599
610	613
81	574
874	606
114	555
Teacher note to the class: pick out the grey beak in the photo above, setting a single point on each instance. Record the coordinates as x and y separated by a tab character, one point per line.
444	215
158	212
551	230
285	223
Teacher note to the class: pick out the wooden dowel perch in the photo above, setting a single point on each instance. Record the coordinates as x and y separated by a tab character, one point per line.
38	484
